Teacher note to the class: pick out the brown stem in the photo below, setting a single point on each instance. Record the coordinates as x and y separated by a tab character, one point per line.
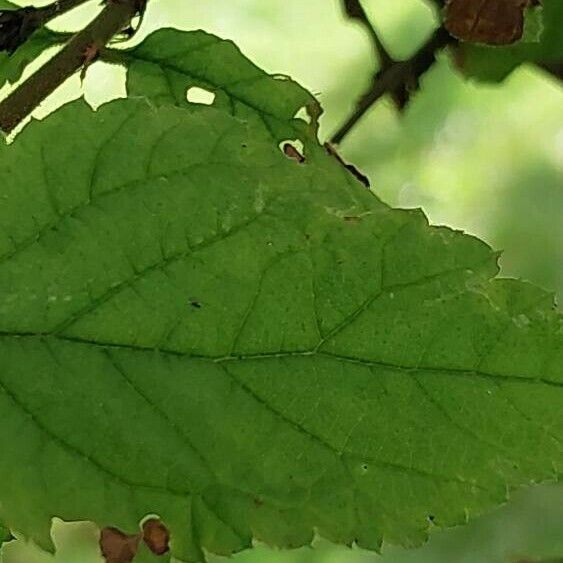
16	26
400	74
355	10
25	98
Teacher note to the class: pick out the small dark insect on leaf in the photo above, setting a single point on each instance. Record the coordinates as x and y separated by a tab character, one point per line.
117	547
291	152
156	536
350	167
494	22
195	303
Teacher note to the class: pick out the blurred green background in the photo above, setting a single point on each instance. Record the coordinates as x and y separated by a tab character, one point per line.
485	158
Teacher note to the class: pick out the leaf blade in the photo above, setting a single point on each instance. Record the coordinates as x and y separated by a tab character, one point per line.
400	380
168	62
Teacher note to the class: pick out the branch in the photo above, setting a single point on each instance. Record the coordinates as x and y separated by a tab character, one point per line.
16	26
401	74
115	16
354	10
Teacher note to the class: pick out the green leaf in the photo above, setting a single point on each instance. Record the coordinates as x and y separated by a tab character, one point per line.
169	62
355	375
195	326
542	44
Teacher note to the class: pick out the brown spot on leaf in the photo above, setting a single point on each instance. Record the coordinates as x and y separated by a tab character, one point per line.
494	22
291	152
352	218
117	547
156	536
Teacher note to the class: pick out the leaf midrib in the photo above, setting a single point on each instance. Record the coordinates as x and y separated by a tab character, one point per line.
310	353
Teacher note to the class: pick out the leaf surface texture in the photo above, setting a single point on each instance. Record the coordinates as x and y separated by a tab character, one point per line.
195	326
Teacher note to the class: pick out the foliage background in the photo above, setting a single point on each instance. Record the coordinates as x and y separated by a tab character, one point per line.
485	158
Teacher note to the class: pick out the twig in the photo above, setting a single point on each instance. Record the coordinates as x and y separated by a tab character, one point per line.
355	10
400	74
115	16
16	26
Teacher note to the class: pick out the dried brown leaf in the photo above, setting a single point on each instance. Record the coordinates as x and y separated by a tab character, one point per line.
494	22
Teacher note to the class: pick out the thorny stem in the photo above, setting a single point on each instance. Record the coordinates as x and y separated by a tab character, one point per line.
115	16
